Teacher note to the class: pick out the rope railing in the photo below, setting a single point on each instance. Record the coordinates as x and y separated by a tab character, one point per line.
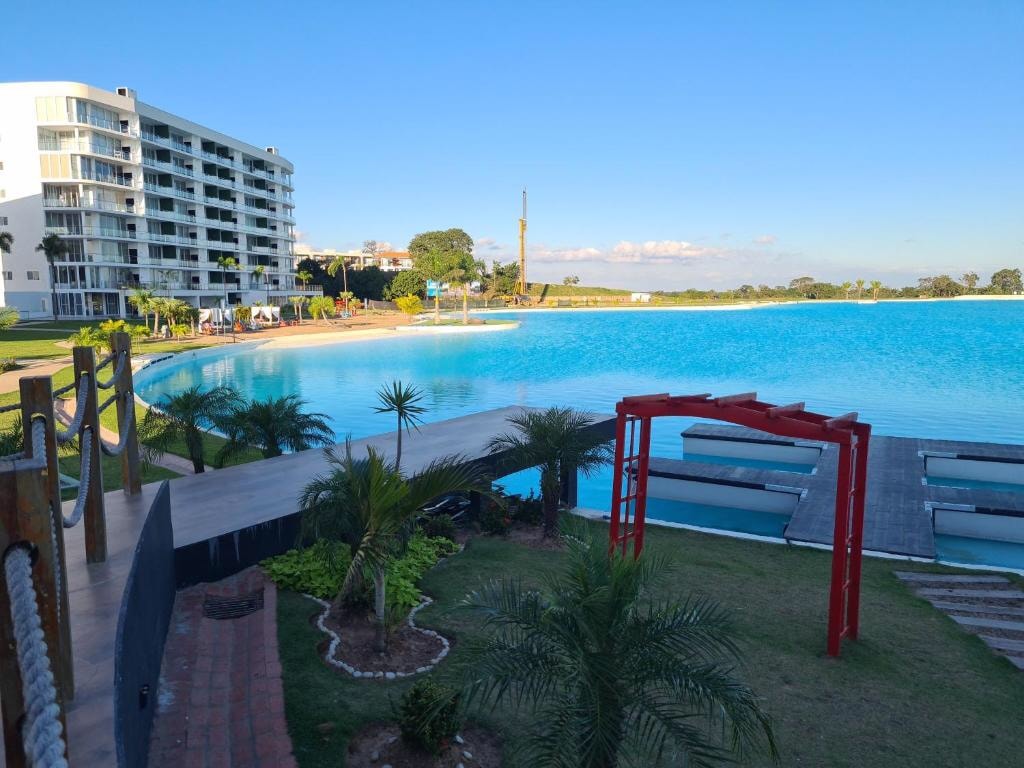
32	525
42	732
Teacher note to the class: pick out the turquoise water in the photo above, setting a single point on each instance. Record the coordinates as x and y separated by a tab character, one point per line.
931	369
991	485
732	461
721	518
960	549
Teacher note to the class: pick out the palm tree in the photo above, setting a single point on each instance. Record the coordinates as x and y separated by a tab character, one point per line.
158	305
53	248
225	263
142	300
303	277
272	426
970	279
261	272
403	401
321	305
341	262
187	417
371	506
610	674
473	271
346	296
297	302
876	288
846	288
557	441
860	287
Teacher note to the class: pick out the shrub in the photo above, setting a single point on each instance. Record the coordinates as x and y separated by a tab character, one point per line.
317	570
180	330
403	574
429	715
494	519
8	364
529	510
410	305
440	526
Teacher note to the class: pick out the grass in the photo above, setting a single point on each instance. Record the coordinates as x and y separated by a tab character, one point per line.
913	691
39	342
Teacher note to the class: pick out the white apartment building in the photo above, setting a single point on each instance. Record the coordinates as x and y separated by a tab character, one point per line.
142	199
387	261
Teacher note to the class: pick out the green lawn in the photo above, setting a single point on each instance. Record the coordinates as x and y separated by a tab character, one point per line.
913	691
38	345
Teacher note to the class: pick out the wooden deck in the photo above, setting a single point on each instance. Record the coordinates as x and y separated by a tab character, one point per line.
204	507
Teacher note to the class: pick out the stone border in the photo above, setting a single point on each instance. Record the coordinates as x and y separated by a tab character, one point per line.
331	659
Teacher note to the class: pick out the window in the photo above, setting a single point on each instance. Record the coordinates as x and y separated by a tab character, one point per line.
32	274
8	275
3	221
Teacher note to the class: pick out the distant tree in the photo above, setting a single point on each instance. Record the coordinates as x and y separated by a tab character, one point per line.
226	263
8	317
142	300
297	303
1007	281
876	287
449	241
570	282
504	277
860	287
261	274
801	284
373	249
970	280
53	248
944	286
304	277
441	256
341	262
403	400
405	283
846	288
322	306
439	267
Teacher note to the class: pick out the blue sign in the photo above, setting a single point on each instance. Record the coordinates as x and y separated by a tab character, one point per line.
433	289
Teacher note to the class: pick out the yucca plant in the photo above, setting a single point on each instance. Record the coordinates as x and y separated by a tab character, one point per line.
403	401
371	506
272	426
612	676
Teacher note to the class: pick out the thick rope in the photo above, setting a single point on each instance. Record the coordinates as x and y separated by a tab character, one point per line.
41	734
11	407
116	376
76	422
83	481
105	362
123	430
63	390
107	402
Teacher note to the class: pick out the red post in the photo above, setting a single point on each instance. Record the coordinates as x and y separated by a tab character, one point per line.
863	432
616	510
836	607
642	465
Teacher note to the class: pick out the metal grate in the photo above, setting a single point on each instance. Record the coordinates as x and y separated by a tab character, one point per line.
221	607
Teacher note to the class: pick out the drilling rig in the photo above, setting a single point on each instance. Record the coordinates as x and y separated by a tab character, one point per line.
521	285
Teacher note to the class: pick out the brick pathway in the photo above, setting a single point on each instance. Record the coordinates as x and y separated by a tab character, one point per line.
221	700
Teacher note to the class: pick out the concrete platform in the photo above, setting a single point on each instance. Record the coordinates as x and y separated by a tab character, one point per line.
896	518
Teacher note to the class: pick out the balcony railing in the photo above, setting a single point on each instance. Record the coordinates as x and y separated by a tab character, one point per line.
118	153
171	215
161	190
172	167
95	205
167	142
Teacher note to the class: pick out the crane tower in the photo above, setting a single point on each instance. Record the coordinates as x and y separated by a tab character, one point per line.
521	285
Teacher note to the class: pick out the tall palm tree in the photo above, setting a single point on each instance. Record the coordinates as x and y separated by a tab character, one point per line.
474	270
304	277
142	300
261	272
610	674
876	288
371	506
403	401
187	417
341	262
158	305
846	286
860	287
557	441
225	263
272	426
53	248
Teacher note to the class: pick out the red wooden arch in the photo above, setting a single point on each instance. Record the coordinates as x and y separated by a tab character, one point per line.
629	491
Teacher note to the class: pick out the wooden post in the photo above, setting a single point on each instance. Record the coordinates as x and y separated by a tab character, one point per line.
24	517
95	518
569	481
37	398
131	473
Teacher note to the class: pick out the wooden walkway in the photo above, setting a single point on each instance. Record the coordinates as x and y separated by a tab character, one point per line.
204	507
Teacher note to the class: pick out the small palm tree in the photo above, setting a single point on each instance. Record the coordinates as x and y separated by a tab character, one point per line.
557	441
860	287
341	262
187	417
611	675
346	296
142	300
876	288
53	248
297	303
323	306
304	277
159	305
272	426
847	286
371	506
261	274
403	401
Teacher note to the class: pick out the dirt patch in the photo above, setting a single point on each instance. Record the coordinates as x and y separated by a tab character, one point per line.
408	649
381	744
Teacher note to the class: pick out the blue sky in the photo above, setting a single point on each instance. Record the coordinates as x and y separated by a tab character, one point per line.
664	145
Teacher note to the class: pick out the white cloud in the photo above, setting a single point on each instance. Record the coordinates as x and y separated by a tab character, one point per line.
765	240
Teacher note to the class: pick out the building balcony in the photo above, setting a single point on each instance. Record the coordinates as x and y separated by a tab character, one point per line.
169	191
156	213
92	205
159	237
167	142
109	233
221	159
122	154
170	167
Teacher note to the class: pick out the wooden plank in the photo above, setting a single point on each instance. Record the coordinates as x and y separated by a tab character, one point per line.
981	594
131	469
950	578
94	518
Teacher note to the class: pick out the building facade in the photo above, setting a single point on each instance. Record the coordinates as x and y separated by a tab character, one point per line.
141	199
388	261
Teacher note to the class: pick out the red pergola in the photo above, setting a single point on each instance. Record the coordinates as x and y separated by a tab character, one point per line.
629	491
